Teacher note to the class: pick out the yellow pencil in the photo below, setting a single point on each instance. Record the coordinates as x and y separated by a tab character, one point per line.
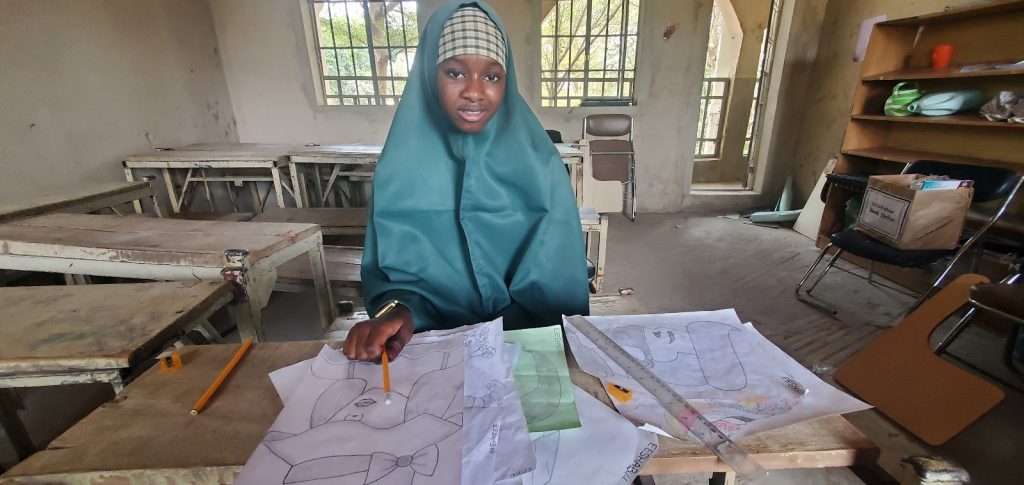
384	353
201	403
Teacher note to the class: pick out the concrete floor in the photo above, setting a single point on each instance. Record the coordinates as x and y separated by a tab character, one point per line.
680	262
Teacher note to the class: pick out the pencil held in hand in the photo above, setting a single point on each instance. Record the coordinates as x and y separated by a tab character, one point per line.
224	373
387	375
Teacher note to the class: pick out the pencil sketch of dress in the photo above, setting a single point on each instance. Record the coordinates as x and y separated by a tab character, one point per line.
336	428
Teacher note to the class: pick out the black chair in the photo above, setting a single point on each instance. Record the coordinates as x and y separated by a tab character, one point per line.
555	135
990	184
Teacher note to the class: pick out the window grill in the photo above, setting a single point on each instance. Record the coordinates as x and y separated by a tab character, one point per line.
588	52
365	49
714	99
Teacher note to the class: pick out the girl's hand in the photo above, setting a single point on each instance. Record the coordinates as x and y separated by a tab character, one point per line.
367	338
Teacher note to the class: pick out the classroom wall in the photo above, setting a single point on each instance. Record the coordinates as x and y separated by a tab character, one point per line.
85	82
266	65
819	110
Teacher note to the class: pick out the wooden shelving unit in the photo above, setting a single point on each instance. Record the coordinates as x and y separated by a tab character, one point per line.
900	50
957	119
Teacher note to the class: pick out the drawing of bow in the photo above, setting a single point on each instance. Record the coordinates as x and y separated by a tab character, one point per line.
386	469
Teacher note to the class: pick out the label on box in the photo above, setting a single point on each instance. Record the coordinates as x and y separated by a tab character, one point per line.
884	213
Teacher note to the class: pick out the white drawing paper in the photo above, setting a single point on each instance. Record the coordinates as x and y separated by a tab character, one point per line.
335	427
606	450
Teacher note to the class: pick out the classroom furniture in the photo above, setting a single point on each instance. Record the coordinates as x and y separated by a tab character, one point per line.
343	264
186	172
991	185
140	437
612	154
245	253
333	221
339	174
110	197
900	50
330	165
595	234
57	335
900	375
1005	299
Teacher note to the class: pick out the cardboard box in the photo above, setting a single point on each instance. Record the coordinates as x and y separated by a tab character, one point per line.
905	218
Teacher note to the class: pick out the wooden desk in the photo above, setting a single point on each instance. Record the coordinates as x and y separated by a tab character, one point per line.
56	335
355	163
169	249
140	436
184	170
89	199
333	221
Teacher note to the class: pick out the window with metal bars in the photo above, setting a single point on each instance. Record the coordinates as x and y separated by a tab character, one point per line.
588	52
365	49
714	99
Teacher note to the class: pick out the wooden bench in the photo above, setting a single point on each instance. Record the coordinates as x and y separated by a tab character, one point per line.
333	221
169	249
343	265
58	335
92	199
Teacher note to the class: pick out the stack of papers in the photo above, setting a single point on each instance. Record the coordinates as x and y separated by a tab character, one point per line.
455	417
734	376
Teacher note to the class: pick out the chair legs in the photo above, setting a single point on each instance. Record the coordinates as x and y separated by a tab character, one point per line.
821	306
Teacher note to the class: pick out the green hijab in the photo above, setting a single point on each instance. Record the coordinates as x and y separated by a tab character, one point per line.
465	228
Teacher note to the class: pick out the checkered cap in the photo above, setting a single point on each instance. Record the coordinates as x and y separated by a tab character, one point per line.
471	31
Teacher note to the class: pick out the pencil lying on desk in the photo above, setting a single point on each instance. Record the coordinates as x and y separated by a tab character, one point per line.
384	353
224	373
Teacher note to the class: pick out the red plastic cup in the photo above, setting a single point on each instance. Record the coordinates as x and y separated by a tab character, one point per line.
941	55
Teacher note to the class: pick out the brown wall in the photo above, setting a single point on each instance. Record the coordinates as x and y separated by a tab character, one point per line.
86	82
817	115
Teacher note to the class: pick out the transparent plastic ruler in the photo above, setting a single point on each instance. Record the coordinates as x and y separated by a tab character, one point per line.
675	405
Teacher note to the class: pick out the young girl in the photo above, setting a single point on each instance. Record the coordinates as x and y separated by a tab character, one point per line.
472	216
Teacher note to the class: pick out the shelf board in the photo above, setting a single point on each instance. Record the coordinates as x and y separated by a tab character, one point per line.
951	120
1001	8
915	73
899	155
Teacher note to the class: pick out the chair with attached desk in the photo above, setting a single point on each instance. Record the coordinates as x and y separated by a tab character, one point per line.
612	155
990	185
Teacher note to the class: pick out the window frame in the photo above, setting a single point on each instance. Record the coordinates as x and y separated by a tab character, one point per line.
320	78
551	102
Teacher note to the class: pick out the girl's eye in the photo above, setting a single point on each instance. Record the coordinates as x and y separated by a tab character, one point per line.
492	78
455	74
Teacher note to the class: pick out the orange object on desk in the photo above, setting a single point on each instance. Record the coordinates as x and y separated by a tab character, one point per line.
942	54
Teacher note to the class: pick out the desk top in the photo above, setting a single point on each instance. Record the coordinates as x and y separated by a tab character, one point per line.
148	432
90	327
238	157
78	201
177	242
280	151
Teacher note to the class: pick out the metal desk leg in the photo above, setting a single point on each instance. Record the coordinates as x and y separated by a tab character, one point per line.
12	425
136	204
278	189
602	253
298	189
722	478
324	298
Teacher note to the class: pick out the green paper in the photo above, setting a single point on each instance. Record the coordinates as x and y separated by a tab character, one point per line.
542	379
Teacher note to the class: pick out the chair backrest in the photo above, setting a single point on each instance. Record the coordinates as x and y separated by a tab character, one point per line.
608	125
555	135
990	183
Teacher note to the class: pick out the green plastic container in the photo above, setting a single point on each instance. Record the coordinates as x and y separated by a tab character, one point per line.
903	94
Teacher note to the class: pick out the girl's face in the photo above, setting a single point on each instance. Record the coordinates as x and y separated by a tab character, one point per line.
471	89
